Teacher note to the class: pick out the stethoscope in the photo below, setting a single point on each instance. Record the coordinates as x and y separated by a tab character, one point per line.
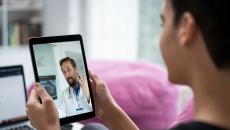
77	97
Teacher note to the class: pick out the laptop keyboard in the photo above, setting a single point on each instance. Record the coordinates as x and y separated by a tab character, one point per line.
24	127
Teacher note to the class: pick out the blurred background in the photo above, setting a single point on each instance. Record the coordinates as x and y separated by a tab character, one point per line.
127	30
112	29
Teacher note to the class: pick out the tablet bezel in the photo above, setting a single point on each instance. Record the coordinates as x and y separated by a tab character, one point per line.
59	39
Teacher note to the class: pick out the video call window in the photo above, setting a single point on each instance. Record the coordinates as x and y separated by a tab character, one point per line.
61	72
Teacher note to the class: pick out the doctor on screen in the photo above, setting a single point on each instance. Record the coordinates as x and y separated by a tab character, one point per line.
76	98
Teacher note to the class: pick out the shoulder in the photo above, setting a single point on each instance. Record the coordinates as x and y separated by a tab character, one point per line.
181	127
196	126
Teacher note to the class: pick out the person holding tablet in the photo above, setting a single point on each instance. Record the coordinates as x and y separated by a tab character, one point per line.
76	98
196	49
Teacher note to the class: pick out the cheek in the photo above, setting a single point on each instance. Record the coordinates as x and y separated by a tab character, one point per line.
167	46
164	41
73	74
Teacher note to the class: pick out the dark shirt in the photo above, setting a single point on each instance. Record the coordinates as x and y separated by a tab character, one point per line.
197	126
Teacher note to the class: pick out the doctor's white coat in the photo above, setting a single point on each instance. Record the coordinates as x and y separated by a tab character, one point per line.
69	103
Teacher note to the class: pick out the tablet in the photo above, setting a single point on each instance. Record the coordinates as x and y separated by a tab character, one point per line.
60	66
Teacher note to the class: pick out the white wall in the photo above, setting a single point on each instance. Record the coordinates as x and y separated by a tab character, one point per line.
111	29
56	18
62	17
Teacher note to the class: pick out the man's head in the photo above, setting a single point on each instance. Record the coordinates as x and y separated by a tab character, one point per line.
195	33
69	69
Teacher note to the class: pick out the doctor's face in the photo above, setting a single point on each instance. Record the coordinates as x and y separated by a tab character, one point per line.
70	73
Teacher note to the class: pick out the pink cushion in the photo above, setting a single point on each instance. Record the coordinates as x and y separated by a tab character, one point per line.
142	90
186	114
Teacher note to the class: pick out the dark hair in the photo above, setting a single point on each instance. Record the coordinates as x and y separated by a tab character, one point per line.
212	17
68	59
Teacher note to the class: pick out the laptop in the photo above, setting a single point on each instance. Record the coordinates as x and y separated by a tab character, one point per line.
13	97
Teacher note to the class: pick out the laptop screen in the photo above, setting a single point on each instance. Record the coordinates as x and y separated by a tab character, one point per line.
12	95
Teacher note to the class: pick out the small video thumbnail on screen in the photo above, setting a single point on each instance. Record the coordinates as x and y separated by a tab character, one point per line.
49	83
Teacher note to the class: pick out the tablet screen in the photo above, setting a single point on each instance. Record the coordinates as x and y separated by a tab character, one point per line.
60	67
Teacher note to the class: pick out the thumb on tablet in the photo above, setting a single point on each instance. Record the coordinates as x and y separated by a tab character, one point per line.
42	93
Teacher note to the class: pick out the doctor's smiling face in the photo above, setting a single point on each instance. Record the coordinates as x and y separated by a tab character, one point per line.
69	69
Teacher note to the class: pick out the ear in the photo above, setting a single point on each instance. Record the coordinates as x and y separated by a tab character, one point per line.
186	29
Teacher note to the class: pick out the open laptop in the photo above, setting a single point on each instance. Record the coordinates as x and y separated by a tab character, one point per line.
13	97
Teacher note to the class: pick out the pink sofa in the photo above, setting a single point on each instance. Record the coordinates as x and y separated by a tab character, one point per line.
142	90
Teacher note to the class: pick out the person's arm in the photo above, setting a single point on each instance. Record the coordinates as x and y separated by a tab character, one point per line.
107	109
117	119
41	110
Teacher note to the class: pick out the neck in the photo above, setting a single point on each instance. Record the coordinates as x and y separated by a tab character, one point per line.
212	91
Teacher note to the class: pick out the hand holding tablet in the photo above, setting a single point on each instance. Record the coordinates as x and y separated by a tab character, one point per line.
41	110
60	66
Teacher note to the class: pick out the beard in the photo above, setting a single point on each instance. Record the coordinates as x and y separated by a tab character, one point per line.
71	81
